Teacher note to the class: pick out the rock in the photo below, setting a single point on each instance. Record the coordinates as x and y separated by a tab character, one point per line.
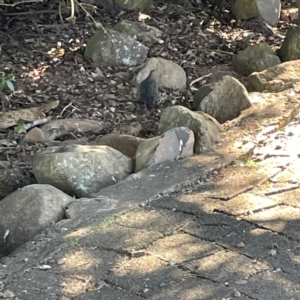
140	31
81	170
27	212
111	48
174	143
133	4
35	135
227	100
244	9
134	128
277	78
11	118
290	49
269	10
124	143
12	178
168	74
64	127
202	92
254	58
206	129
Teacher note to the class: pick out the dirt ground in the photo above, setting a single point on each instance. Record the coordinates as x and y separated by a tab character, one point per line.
46	57
203	228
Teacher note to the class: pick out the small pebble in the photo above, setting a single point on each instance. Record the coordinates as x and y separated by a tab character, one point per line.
240	245
236	294
273	252
8	294
61	261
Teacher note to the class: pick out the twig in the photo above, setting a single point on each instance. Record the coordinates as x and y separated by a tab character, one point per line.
33	12
72	18
200	78
21	2
65	108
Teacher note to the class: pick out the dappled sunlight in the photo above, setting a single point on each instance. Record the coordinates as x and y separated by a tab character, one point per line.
279	218
79	259
36	74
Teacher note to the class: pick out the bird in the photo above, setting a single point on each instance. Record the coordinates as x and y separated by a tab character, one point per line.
148	92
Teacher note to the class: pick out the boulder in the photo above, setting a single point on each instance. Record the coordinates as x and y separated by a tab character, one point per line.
206	129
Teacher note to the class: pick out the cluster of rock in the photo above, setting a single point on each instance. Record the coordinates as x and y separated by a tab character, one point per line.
82	170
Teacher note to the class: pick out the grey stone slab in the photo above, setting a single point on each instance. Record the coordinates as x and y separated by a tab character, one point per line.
266	246
36	285
179	248
156	219
255	242
214	227
176	204
194	289
69	272
287	260
290	173
290	198
144	275
270	286
119	238
234	180
278	188
225	267
165	178
160	180
282	219
108	293
246	203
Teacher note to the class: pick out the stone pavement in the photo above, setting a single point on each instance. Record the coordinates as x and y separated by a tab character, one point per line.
225	235
207	227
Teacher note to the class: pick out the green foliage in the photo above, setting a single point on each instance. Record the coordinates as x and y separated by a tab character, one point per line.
21	126
6	80
75	241
109	221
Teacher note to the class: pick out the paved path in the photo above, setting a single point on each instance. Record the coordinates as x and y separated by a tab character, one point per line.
200	228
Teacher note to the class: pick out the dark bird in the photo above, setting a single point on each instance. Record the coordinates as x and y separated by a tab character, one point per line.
148	91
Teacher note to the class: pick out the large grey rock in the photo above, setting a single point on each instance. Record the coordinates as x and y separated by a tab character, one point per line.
28	211
244	9
140	31
81	170
254	58
277	78
173	144
168	74
111	48
227	100
206	129
269	10
126	144
67	127
290	49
